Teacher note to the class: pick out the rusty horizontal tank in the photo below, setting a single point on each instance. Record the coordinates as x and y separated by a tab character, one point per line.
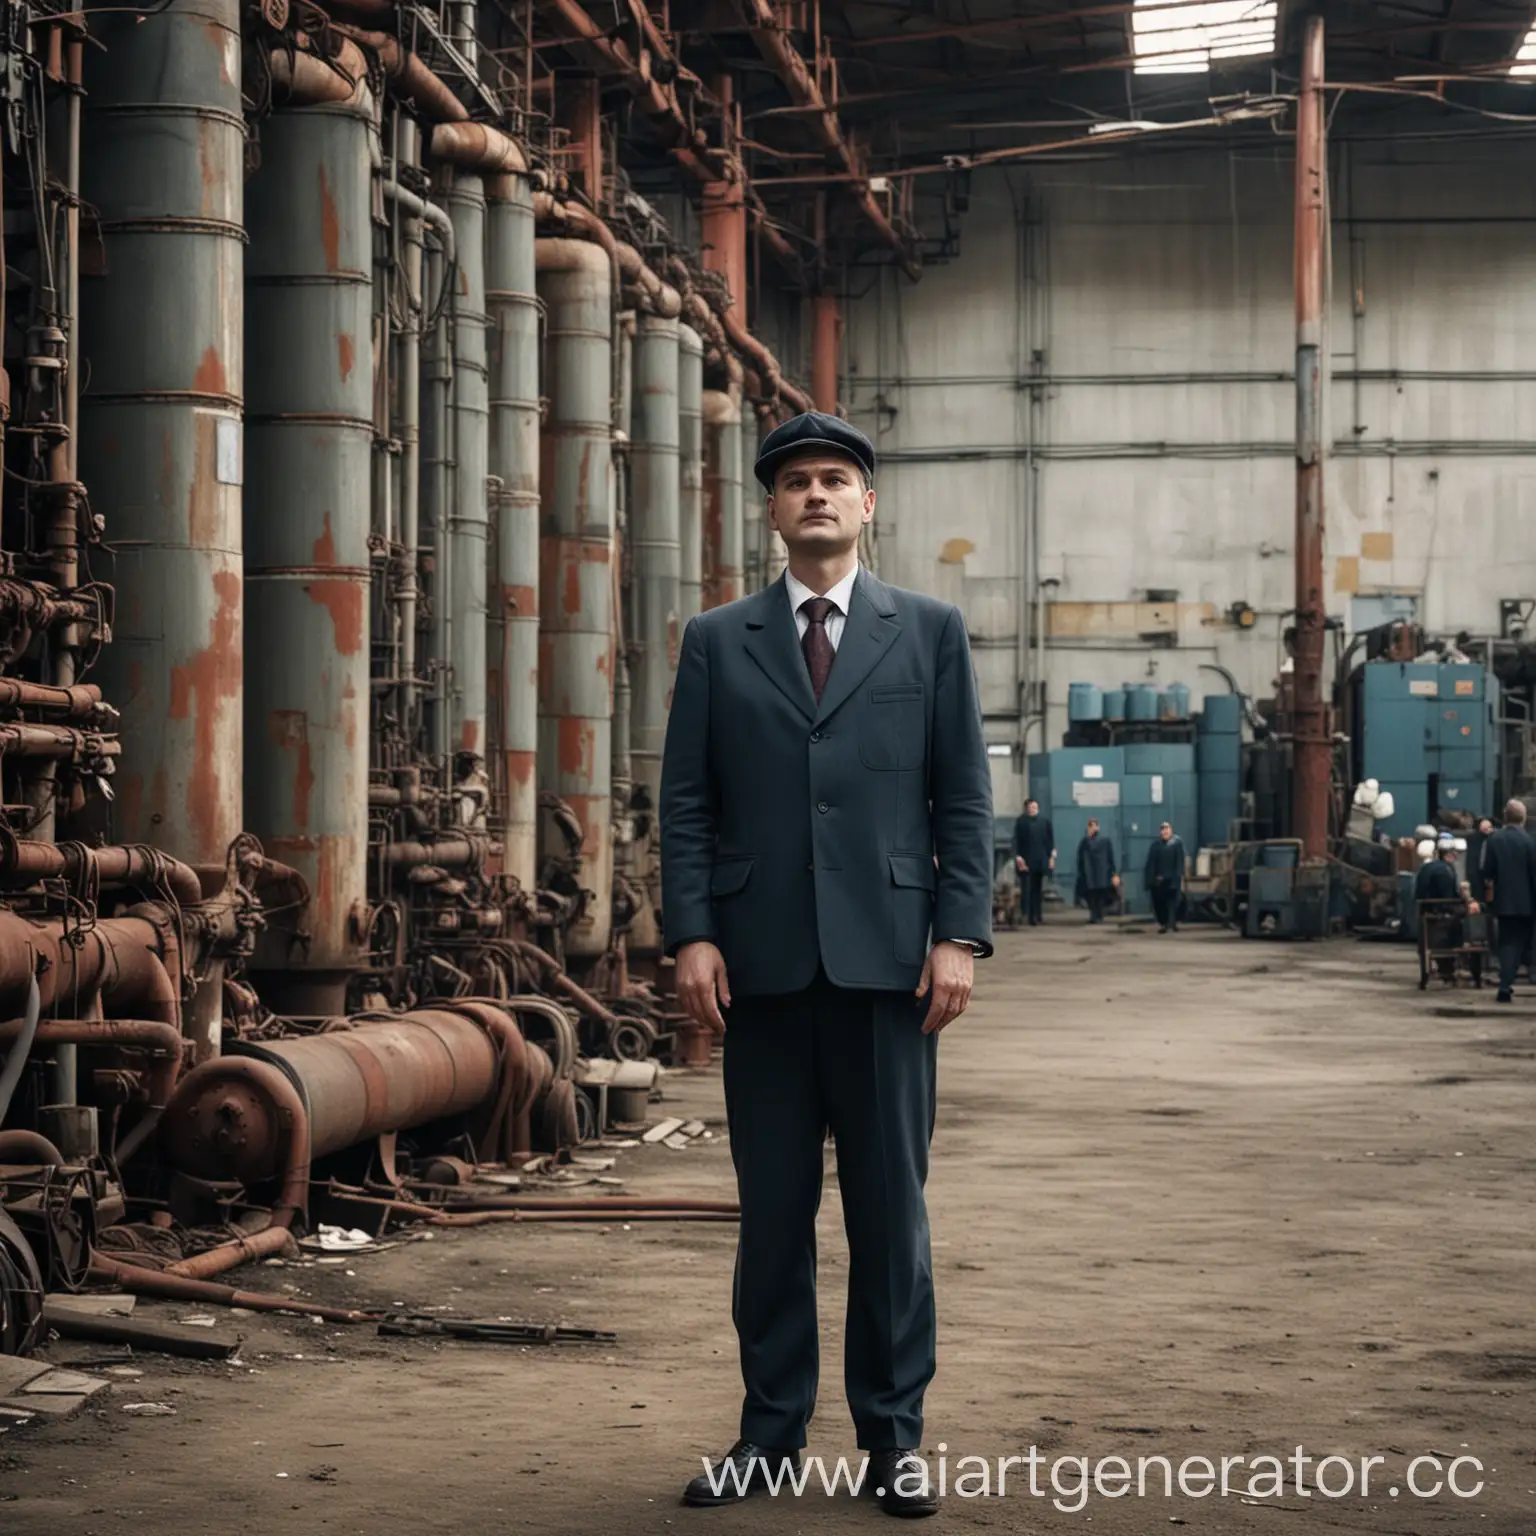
357	1082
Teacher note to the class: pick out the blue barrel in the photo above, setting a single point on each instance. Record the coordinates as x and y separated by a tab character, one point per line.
1085	701
1223	715
1173	702
1114	703
1141	702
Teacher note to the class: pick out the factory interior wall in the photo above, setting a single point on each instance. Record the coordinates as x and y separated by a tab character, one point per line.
1150	295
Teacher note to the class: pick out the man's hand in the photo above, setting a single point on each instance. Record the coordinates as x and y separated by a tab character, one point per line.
700	976
1021	866
1114	880
950	968
1053	863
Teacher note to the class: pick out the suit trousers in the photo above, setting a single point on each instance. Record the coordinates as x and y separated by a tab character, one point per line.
1165	904
1034	896
857	1063
1097	901
1514	940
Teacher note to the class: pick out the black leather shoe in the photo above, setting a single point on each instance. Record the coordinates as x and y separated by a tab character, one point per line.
900	1480
739	1473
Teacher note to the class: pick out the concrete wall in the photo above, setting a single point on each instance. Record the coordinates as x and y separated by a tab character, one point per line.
1150	297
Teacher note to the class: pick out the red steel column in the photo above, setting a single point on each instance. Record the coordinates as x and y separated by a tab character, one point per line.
1309	708
825	335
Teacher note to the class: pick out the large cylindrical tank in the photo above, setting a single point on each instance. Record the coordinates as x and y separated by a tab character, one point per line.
162	331
1114	704
514	461
576	641
470	521
1221	714
1173	702
309	428
356	1083
654	543
723	529
1085	701
690	407
1140	702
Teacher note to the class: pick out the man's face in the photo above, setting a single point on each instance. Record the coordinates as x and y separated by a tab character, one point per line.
1032	808
1165	831
1093	828
1485	826
819	504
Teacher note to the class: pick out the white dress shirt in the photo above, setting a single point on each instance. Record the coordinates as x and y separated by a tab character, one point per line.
841	596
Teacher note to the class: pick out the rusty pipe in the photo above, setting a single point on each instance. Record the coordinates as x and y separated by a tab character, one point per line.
140	866
292	1198
456	851
412	79
777	50
139	1281
309	79
78	701
128	960
577	994
476	147
54	741
578	222
515	1096
659	296
164	1040
29	1149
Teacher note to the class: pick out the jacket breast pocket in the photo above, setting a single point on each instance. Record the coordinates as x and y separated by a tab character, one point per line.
893	727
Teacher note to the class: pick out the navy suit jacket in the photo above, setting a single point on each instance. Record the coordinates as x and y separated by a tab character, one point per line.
844	833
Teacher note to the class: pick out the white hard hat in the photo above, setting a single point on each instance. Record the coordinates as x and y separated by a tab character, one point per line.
1425	830
1425	850
1459	844
1385	805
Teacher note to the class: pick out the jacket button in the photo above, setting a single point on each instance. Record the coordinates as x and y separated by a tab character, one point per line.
810	869
815	735
823	807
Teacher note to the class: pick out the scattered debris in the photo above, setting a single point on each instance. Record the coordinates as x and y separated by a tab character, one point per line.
489	1330
149	1410
662	1129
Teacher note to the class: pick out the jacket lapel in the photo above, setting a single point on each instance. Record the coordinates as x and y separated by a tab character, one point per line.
868	633
772	642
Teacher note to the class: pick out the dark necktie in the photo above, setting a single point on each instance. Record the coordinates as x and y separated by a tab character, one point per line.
816	643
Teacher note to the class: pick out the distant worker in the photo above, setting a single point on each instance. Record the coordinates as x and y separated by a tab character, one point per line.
1509	880
1442	927
1436	879
1034	856
1165	877
1097	877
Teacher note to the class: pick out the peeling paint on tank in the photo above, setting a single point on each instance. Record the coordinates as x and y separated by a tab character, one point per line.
330	225
342	598
469	736
576	747
289	731
325	545
520	767
202	690
209	378
345	354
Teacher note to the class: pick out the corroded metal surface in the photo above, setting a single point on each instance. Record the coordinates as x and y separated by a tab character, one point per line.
469	521
162	342
576	641
654	543
690	407
512	300
307	514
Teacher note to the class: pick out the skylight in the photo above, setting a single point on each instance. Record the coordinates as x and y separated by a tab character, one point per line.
1525	59
1183	39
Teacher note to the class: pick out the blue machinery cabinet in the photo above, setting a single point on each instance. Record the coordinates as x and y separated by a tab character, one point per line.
1429	734
1130	790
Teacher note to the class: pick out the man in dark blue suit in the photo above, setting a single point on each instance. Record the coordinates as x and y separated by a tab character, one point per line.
826	840
1509	877
1034	857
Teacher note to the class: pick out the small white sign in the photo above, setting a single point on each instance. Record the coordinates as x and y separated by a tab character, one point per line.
226	439
1424	687
1095	794
1157	789
1093	771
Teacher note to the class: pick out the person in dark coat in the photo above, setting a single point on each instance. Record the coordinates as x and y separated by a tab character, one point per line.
1442	926
826	871
1509	879
1034	856
1096	872
1165	877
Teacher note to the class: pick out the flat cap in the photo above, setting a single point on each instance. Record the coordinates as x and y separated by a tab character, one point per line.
808	432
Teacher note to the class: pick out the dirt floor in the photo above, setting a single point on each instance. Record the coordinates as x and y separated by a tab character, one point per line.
1191	1197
